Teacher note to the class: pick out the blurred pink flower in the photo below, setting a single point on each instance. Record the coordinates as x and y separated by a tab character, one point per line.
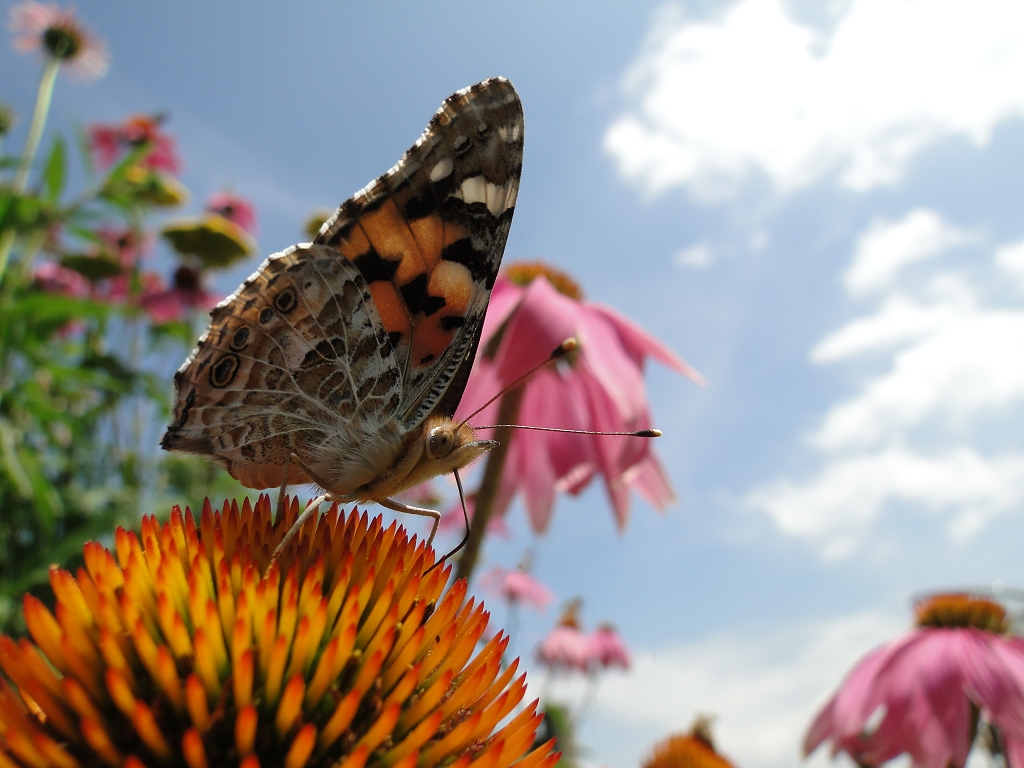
599	387
126	246
922	685
187	293
517	587
234	208
55	30
566	647
110	142
606	648
53	278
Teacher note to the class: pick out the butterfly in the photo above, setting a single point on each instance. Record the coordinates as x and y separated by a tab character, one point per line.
341	362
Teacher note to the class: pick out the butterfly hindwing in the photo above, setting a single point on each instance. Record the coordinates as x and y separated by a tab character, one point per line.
428	237
295	358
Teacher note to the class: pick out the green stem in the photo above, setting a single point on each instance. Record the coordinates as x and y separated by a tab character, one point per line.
35	135
483	506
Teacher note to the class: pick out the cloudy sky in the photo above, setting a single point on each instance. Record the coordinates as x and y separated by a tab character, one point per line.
818	204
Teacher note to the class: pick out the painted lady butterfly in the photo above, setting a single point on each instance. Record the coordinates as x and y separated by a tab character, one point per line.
342	361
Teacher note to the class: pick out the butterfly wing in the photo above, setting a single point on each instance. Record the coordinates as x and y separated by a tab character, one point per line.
298	358
323	356
428	238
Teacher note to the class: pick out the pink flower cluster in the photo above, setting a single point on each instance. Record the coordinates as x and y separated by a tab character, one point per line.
602	388
110	143
124	248
568	648
235	209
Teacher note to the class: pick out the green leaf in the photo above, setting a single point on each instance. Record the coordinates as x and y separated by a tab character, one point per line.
92	268
55	172
85	151
50	306
11	461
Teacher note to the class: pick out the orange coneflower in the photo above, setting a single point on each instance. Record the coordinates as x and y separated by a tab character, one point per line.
187	647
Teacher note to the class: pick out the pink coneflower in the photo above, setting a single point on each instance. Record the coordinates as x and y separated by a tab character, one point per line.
110	142
125	246
566	647
922	692
234	208
187	293
517	586
606	648
54	30
53	278
533	309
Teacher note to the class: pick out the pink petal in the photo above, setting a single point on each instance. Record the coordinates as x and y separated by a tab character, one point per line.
639	343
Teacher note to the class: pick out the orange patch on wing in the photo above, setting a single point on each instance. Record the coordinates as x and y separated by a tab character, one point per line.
355	245
430	340
390	307
453	233
393	239
454	283
429	233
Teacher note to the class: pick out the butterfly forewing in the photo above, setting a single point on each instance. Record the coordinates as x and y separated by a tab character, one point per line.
429	235
336	350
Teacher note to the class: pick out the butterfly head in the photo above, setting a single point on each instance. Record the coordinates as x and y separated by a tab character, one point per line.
447	445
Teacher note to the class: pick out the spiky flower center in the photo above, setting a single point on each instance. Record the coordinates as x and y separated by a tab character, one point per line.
63	41
186	646
961	610
523	273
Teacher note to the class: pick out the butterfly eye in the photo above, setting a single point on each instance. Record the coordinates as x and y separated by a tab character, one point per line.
440	442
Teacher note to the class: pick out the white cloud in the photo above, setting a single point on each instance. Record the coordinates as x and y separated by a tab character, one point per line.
886	248
1010	259
907	439
713	102
969	364
696	256
763	684
835	508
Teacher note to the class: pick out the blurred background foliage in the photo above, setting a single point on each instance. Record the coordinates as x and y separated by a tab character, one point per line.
90	333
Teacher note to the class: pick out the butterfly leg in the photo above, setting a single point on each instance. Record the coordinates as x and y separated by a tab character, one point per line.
397	506
311	508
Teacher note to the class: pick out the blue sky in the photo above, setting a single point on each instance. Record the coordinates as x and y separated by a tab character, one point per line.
817	204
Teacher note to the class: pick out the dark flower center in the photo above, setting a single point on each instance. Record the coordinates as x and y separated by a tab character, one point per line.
961	610
186	279
524	272
62	42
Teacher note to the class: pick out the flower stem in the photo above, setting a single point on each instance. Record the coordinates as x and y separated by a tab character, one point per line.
483	507
35	134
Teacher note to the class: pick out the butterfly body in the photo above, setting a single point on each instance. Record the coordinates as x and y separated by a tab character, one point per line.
341	362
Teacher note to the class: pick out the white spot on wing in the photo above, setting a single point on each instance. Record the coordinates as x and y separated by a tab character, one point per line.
441	170
496	194
474	189
513	193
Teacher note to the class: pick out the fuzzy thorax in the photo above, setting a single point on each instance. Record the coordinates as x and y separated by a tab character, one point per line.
386	464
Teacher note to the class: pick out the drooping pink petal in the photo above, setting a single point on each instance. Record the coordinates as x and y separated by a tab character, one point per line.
925	681
639	344
599	387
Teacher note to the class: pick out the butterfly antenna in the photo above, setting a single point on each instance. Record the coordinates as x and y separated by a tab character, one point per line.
465	515
638	433
561	350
